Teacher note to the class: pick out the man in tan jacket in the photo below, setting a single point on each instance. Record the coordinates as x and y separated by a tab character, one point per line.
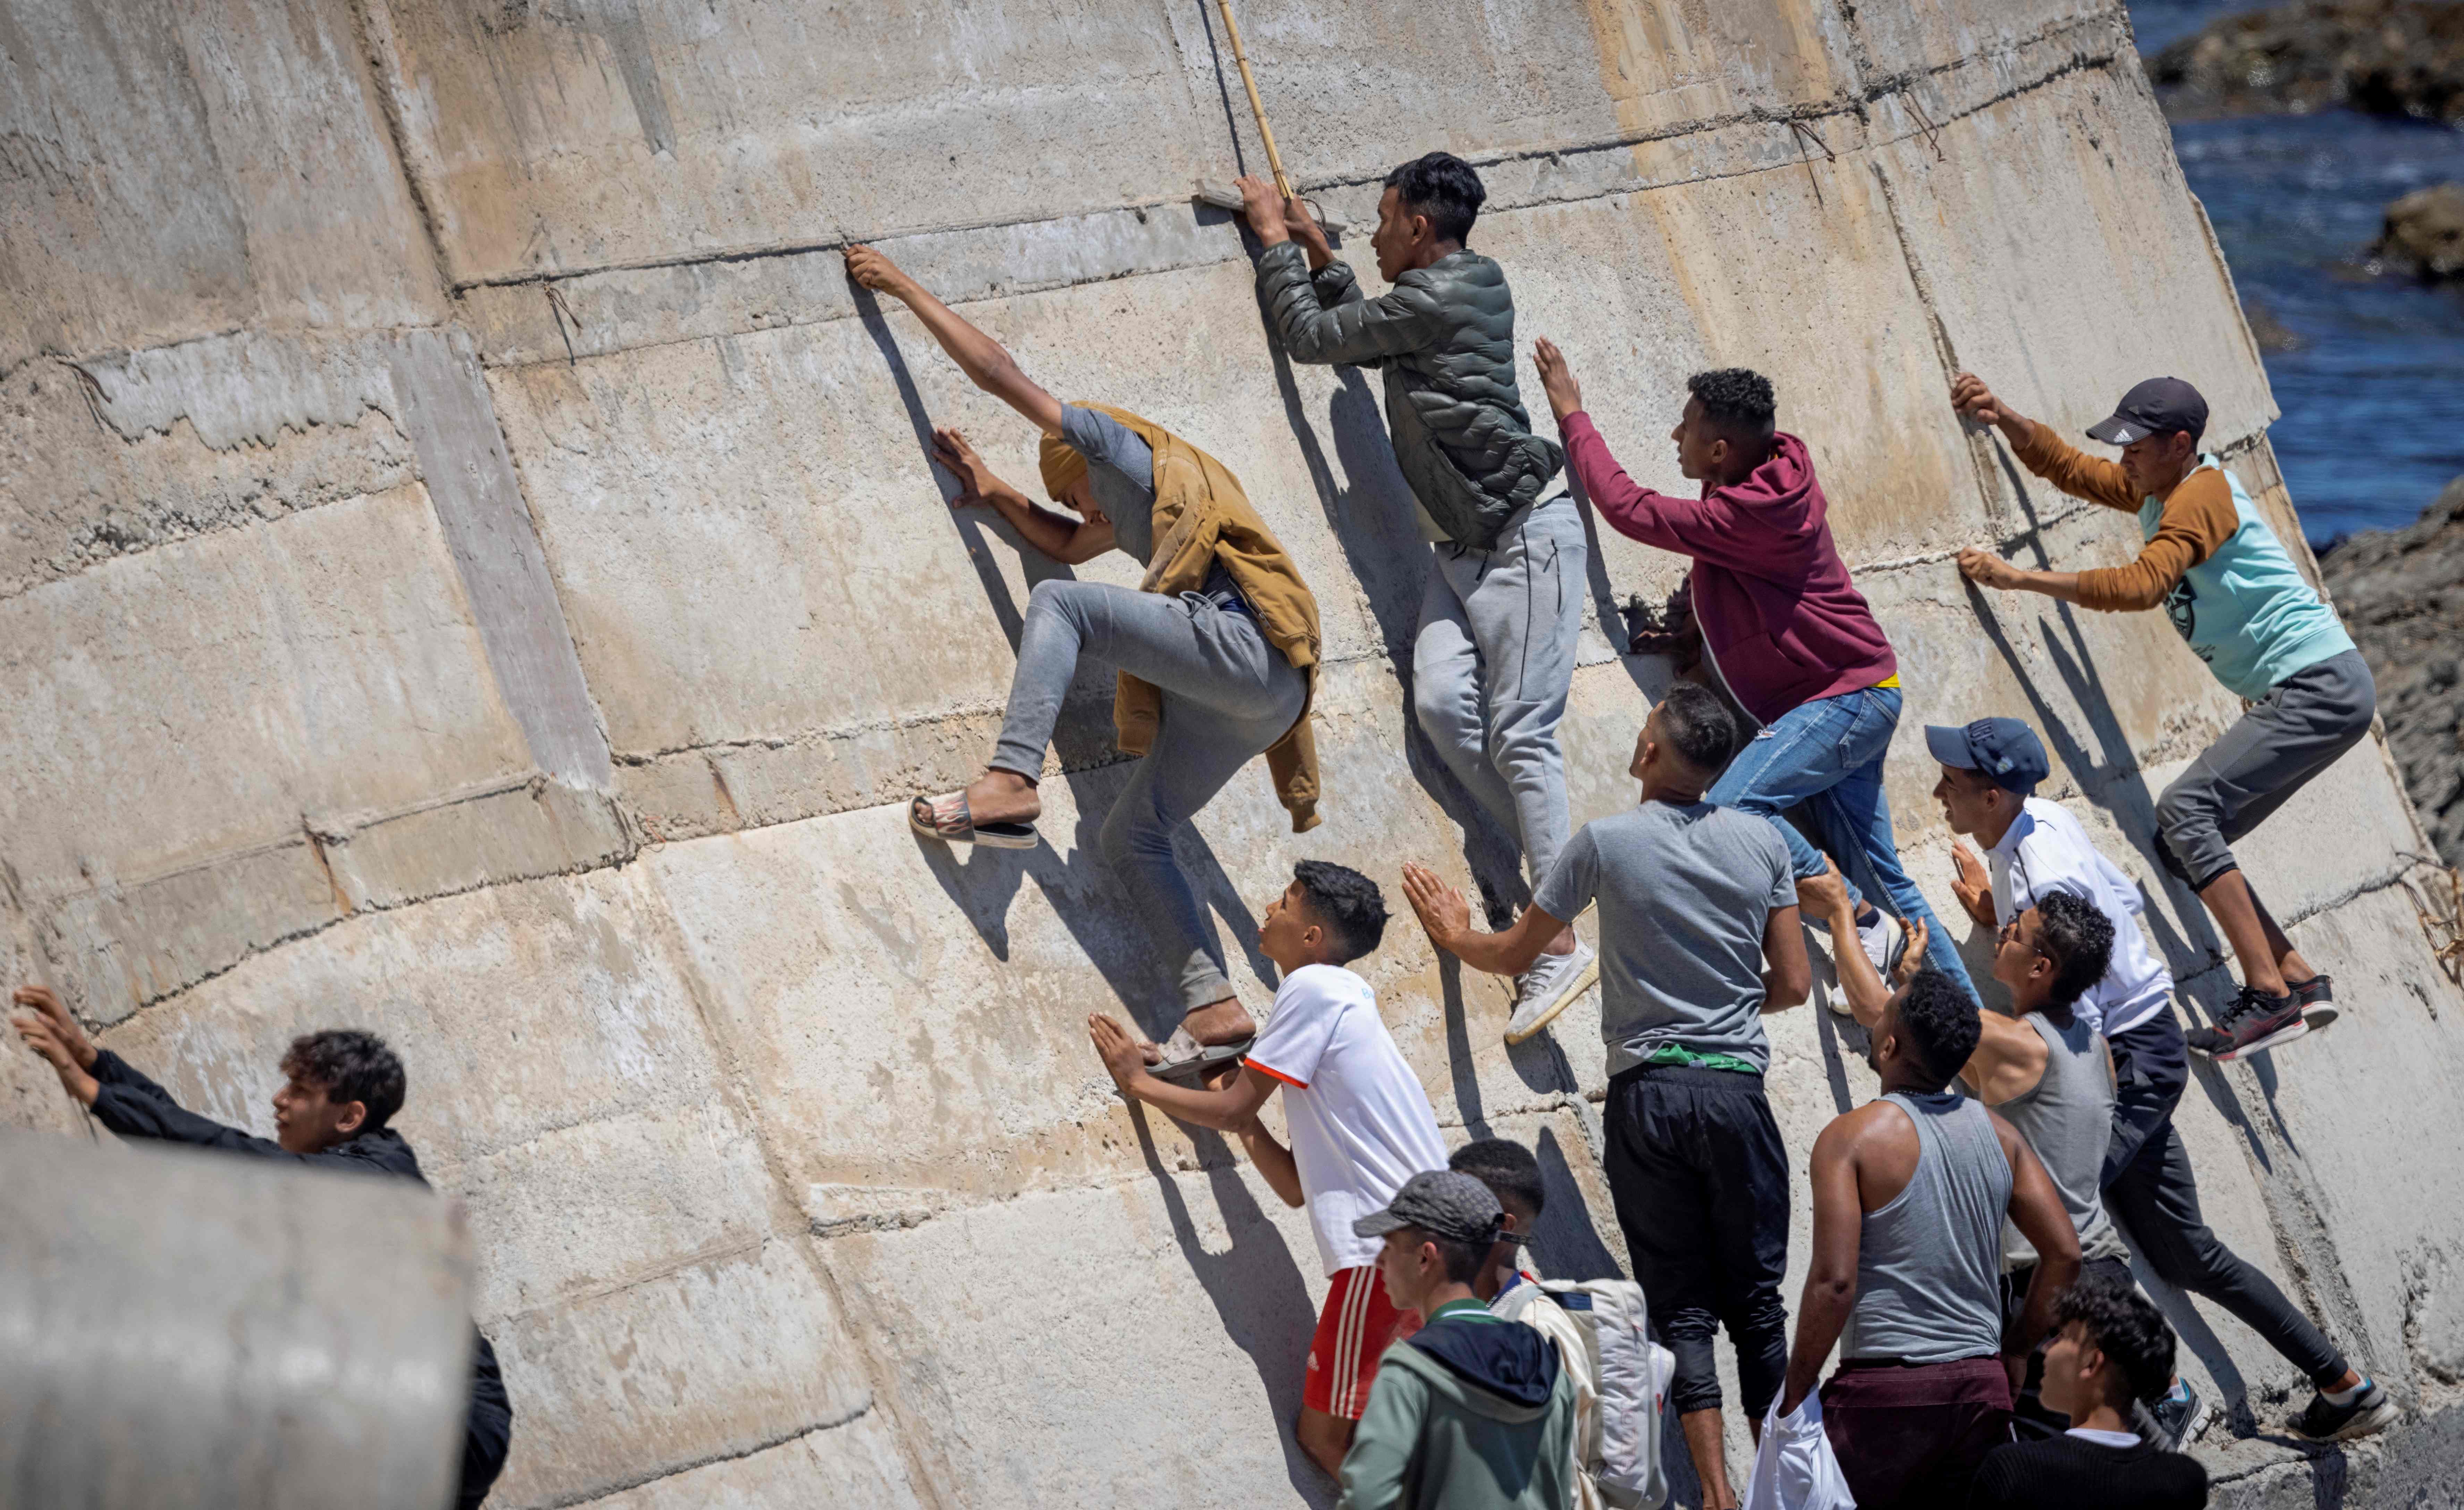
1216	650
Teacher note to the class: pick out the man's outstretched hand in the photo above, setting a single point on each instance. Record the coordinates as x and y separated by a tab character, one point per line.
1972	883
1974	400
1442	908
1556	379
877	272
48	1030
1912	956
1276	219
958	458
1986	569
1124	1057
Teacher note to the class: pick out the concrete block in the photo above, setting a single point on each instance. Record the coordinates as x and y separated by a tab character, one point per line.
857	1464
2068	178
336	629
522	1010
182	169
1195	1352
75	492
648	1380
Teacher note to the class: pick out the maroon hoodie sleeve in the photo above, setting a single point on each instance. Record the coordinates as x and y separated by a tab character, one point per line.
1687	526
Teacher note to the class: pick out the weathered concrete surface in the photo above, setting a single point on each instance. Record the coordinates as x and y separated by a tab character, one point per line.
189	1329
491	589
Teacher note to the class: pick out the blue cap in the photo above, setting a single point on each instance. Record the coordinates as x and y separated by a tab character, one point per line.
2004	751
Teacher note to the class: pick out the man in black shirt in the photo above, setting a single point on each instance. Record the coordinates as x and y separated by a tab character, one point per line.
343	1087
2110	1346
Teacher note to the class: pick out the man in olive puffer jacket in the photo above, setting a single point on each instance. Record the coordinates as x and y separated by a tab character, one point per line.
1494	652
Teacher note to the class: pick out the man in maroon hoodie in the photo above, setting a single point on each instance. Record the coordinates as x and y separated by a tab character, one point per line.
1792	637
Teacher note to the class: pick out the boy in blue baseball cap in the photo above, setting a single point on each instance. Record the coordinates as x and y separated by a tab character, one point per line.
2033	848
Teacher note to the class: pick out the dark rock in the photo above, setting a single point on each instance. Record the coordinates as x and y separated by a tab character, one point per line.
2424	231
2395	591
2271	332
2398	58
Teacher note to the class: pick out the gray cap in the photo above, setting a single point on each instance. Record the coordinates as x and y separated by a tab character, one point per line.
1443	1203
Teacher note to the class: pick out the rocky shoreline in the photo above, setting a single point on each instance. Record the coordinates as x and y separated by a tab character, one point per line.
2398	58
2401	593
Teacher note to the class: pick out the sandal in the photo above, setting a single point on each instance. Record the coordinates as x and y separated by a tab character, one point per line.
946	818
1186	1061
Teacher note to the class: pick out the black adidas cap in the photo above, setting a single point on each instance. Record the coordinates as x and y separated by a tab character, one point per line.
2156	406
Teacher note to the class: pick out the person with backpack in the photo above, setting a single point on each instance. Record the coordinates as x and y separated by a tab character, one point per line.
1493	655
341	1090
1361	1124
1600	1327
1699	938
1471	1411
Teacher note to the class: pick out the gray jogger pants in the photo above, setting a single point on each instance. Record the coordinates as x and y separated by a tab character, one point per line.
2301	727
1228	694
1491	664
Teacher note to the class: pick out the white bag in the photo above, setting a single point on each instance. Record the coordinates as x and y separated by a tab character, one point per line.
1629	1373
1795	1469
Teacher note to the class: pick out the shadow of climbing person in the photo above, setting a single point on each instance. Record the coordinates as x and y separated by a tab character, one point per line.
1258	1291
1566	1241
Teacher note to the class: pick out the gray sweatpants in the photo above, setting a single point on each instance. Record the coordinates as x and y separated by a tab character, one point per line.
1491	664
2303	724
1228	694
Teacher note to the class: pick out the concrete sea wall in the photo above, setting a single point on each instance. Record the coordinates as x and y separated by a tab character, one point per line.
468	569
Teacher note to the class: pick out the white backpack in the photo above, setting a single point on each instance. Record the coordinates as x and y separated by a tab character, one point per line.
1629	1373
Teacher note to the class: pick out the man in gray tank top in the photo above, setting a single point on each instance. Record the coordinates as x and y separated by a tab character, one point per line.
1910	1194
2041	1066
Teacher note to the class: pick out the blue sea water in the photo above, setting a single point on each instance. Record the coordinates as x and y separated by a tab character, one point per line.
2372	389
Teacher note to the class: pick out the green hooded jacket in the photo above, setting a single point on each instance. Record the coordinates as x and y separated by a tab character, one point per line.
1482	1420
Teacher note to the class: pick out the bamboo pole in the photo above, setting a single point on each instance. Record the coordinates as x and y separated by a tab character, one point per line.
1274	159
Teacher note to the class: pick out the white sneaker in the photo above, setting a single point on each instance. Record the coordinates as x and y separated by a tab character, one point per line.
1877	937
1549	987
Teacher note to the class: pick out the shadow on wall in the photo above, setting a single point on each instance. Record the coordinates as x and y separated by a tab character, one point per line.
1258	1292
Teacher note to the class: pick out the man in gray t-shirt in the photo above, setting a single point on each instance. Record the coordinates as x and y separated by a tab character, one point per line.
1686	891
1699	937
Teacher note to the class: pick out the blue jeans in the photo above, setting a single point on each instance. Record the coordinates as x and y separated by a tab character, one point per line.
1827	755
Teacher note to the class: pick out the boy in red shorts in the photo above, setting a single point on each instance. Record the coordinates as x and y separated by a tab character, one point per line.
1360	1125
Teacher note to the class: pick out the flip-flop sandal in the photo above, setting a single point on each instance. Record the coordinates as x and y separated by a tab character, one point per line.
1186	1061
946	818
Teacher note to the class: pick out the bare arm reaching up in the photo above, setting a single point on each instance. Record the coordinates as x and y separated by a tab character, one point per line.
978	355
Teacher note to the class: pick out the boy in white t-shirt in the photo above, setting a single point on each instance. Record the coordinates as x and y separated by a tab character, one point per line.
1360	1125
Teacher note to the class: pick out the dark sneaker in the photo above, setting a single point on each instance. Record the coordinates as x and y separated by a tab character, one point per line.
2317	998
2326	1421
2180	1416
2250	1023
